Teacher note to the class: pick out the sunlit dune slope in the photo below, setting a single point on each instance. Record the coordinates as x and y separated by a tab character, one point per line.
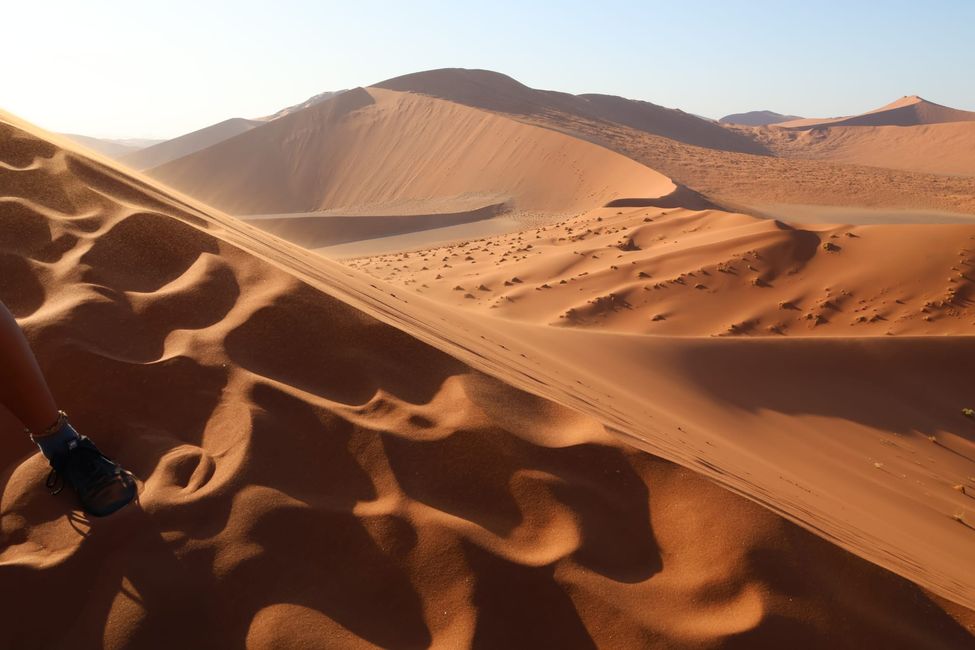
683	272
315	477
933	148
374	146
500	93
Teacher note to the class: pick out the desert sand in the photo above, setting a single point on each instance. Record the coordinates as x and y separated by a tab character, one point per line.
492	442
943	148
707	273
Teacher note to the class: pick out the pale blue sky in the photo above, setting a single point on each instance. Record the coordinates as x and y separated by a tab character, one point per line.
158	69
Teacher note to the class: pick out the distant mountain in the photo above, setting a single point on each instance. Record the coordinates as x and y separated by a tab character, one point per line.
910	110
500	93
757	118
112	148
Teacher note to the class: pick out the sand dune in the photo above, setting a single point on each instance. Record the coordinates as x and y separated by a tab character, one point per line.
234	178
906	111
739	181
683	272
499	93
931	148
371	147
314	476
187	144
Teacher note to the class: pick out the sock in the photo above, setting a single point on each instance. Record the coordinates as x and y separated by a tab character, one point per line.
61	439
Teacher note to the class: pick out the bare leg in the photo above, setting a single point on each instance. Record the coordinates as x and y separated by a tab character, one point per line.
23	389
102	485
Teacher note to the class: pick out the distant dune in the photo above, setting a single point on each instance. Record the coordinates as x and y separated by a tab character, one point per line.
327	458
375	146
940	148
907	111
497	92
757	118
739	181
186	144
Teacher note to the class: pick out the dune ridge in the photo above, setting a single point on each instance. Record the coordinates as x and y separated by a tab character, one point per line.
773	166
444	488
735	177
500	93
373	146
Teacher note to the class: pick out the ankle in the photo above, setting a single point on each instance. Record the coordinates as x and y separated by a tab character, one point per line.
57	438
50	429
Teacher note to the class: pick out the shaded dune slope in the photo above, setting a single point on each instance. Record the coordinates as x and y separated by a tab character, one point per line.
314	476
375	146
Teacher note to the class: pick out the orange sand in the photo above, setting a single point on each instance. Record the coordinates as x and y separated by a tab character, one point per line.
329	459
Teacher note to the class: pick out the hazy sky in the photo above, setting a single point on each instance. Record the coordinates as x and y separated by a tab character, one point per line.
158	69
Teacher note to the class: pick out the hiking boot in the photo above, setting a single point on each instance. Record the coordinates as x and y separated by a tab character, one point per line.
102	485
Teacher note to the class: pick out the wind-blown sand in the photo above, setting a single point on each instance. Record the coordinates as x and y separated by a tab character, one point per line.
315	476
